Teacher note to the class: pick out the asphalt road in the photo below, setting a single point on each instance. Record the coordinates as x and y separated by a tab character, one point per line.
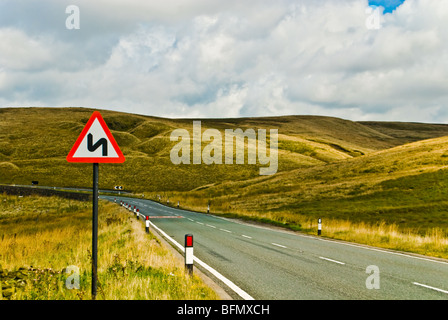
270	264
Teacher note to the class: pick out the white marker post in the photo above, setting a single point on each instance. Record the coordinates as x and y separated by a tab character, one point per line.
147	224
189	253
138	213
319	227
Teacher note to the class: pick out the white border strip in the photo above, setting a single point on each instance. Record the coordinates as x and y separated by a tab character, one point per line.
331	260
279	245
429	287
243	294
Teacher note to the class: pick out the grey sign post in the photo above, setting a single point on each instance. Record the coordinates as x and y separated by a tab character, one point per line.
95	230
95	145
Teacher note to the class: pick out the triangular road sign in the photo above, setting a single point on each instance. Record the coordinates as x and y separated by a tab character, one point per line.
96	144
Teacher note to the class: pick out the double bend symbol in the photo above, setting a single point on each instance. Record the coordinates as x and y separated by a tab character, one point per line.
92	147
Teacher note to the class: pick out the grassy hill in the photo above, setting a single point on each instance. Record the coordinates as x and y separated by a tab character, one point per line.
35	141
364	172
407	185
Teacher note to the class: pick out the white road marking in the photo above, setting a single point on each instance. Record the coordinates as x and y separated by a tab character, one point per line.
225	230
335	241
199	222
190	219
209	225
243	294
278	245
243	235
429	287
331	260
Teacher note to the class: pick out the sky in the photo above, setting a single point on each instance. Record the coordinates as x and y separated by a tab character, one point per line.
207	58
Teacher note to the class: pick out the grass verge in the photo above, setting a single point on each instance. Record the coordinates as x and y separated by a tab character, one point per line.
42	236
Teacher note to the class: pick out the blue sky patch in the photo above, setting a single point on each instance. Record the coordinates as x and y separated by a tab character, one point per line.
388	5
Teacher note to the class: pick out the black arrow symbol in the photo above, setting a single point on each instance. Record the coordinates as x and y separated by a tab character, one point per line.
92	147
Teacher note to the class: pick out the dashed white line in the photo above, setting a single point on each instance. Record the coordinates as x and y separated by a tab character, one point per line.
279	245
331	260
225	230
429	287
190	219
209	225
199	222
243	235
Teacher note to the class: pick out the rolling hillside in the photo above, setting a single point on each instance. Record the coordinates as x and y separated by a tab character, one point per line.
362	171
407	185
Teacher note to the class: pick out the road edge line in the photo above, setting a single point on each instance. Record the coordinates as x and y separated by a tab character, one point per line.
243	294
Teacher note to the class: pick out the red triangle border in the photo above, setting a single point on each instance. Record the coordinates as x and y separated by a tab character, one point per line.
96	115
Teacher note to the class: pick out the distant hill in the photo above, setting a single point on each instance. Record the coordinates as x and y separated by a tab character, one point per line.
327	166
35	141
407	185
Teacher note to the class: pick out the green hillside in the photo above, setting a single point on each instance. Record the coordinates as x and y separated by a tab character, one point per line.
328	167
407	185
35	141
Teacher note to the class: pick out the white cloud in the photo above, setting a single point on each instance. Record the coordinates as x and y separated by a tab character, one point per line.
201	58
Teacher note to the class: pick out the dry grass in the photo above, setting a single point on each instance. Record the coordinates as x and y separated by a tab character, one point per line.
131	263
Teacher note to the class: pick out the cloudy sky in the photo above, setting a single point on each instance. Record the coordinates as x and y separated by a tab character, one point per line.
233	58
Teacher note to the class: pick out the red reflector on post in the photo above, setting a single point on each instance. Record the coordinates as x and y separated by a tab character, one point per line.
188	240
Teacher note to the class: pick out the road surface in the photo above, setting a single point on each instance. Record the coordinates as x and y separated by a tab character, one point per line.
270	264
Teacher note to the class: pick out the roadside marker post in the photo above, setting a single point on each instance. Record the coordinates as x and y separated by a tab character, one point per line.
147	224
138	213
189	253
95	145
319	226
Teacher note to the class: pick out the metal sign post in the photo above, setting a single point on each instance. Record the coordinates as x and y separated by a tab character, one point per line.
95	231
95	145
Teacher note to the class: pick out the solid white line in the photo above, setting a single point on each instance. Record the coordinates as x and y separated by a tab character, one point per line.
243	235
384	251
331	260
243	294
209	225
225	230
278	245
335	241
429	287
